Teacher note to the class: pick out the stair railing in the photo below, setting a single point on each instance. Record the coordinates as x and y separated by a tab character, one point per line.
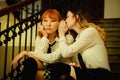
17	35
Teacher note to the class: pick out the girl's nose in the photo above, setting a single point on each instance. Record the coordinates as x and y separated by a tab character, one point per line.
48	23
65	20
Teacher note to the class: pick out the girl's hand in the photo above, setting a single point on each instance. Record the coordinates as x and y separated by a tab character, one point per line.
42	32
62	28
74	64
18	57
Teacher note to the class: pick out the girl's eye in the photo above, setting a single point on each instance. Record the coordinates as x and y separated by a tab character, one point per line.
45	20
53	20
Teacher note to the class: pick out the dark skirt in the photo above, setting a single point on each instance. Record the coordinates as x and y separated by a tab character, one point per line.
93	74
60	69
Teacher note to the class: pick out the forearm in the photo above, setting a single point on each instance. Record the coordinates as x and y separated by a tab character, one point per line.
82	42
44	57
19	56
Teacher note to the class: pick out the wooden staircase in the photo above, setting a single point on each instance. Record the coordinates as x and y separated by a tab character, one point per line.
112	28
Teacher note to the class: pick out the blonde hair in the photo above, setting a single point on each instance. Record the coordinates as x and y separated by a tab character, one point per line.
85	24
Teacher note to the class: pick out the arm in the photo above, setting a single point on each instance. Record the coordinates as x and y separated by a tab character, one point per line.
48	58
41	47
84	41
41	44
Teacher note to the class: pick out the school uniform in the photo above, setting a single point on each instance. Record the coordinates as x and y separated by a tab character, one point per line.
91	47
42	46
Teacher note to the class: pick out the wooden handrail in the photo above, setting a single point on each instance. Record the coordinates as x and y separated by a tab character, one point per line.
15	6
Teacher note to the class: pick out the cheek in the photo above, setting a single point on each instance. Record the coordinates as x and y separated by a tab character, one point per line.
70	23
55	27
43	24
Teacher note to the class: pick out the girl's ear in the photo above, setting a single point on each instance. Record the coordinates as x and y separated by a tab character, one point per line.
77	17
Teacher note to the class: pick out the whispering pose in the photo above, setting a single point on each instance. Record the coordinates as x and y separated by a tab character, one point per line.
89	43
36	65
47	48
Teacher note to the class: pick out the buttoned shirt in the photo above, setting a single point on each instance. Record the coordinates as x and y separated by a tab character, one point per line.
41	47
90	45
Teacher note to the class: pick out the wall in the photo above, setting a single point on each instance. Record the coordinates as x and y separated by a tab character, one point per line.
112	9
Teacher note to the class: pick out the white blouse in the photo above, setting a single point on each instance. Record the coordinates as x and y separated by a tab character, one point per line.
91	47
41	47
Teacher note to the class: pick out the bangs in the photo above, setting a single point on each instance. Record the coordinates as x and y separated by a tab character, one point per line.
53	14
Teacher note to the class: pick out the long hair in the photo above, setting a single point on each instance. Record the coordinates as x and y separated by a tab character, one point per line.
83	22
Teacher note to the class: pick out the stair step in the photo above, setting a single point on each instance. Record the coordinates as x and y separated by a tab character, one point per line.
113	44
114	53
114	59
108	34
112	38
107	21
113	48
117	25
110	20
111	33
112	29
115	68
116	75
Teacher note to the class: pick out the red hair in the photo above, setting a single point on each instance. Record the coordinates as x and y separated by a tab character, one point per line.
51	13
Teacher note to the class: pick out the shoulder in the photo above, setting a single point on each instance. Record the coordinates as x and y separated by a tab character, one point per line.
38	38
90	30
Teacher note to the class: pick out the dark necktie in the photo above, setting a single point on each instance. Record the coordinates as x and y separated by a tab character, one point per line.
49	48
81	61
47	65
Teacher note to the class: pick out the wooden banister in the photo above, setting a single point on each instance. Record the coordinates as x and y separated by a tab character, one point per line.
15	6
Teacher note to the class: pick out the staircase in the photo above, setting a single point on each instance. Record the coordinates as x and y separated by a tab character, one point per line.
112	28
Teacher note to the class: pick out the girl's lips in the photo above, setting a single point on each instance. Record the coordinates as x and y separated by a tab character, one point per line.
47	28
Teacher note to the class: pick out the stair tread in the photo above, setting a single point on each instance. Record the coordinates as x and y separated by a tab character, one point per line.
112	38
109	25
112	29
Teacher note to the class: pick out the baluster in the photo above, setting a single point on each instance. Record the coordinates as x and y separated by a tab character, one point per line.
10	34
33	11
26	27
36	21
0	35
20	29
13	49
6	49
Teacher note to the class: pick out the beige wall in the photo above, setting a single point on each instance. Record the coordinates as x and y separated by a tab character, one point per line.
112	9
